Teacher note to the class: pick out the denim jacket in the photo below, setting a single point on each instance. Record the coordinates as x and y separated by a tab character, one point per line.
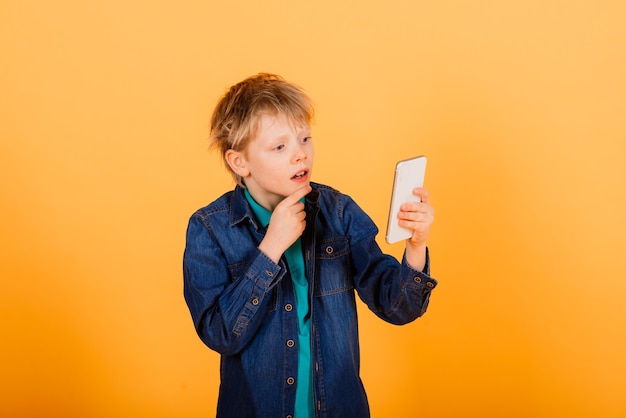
243	304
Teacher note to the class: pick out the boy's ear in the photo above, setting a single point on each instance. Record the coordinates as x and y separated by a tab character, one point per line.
237	162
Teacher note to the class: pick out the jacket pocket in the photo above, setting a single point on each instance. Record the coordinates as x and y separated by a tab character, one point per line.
333	267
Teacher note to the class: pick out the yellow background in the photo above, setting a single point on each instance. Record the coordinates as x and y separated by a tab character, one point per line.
519	106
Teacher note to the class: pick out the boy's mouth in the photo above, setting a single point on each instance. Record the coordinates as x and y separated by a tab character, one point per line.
300	175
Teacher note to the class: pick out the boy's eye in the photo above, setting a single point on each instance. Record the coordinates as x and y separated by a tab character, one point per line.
279	147
306	139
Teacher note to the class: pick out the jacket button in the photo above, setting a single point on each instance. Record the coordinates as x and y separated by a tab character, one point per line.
291	380
288	307
289	416
329	250
290	343
430	284
255	301
417	280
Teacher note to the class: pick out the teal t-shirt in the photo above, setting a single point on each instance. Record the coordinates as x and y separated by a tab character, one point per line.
295	260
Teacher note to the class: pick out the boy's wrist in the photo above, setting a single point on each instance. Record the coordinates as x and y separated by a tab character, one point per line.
416	255
270	250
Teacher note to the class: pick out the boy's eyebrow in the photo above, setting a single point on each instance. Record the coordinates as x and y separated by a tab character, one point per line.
280	138
299	131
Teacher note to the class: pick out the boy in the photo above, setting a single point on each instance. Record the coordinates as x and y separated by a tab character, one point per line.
271	268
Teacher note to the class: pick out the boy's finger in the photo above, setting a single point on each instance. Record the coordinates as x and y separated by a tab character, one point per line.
298	194
422	193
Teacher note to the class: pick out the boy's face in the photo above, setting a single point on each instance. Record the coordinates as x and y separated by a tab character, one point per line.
277	162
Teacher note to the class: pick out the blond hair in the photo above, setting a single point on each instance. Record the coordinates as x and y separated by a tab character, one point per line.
235	118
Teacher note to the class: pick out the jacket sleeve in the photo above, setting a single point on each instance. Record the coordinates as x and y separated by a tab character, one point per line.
393	290
227	303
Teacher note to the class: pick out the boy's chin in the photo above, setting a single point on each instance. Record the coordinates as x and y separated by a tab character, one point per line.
299	186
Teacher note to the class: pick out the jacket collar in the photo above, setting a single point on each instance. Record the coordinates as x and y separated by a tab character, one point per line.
240	210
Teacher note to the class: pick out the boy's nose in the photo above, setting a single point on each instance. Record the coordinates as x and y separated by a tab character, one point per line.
299	156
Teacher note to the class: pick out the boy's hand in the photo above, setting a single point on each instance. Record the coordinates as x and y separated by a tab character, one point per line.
418	217
286	225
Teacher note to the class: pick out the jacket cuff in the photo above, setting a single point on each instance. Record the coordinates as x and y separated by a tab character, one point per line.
264	272
421	277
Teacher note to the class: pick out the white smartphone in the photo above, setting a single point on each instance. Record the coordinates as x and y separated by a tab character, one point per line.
409	175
